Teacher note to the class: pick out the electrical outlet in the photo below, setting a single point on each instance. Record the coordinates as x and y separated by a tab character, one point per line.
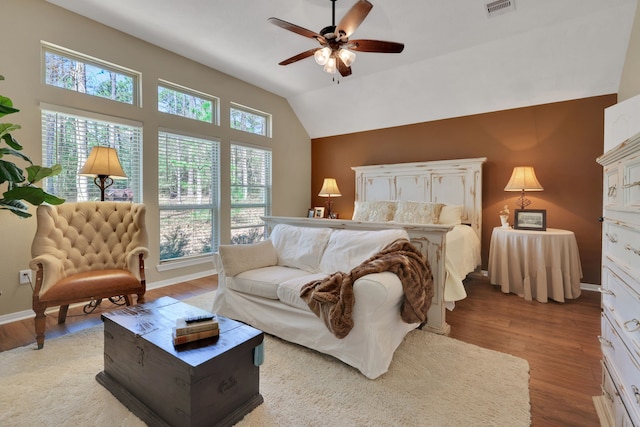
25	276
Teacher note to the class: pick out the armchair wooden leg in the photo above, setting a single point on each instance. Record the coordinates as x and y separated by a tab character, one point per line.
41	322
127	299
140	299
62	314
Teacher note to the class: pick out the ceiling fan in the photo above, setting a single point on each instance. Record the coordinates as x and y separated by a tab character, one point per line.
335	51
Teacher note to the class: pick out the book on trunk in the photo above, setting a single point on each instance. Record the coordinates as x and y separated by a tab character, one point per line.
186	326
195	336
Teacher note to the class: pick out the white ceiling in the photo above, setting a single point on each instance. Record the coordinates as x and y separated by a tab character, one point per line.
456	60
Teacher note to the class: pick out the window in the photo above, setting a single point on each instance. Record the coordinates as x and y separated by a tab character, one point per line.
184	102
188	196
67	139
250	192
249	120
80	73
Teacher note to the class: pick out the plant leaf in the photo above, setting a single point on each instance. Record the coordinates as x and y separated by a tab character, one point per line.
34	195
6	106
11	152
15	206
10	172
36	173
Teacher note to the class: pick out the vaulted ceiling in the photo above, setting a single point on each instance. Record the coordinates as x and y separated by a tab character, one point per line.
457	61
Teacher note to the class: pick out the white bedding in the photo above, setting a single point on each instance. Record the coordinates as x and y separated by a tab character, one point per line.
462	257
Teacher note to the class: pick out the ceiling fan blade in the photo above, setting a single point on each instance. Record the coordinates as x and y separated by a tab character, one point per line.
342	68
375	46
299	56
353	18
297	29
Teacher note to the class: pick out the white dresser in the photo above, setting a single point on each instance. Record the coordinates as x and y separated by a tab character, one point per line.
619	404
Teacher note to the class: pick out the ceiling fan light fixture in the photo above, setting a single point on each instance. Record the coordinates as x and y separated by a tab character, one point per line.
331	67
322	55
347	56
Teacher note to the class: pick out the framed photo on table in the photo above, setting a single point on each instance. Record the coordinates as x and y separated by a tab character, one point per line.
311	213
318	212
530	219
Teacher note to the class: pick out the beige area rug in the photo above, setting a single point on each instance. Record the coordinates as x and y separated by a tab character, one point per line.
433	381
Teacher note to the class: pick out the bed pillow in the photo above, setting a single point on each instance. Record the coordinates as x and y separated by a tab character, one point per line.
299	247
239	258
409	212
376	211
451	214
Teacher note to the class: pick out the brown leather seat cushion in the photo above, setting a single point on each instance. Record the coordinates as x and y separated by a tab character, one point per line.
91	284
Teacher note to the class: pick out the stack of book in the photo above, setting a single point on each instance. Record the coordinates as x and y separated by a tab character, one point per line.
195	328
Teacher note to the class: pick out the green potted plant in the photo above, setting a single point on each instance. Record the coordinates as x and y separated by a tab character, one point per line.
20	189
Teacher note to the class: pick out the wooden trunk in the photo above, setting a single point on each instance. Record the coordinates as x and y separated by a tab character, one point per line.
214	381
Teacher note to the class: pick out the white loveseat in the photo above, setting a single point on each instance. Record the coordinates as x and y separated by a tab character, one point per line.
260	284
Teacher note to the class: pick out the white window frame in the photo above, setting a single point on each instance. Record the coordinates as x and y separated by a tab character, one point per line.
215	101
268	187
134	176
268	118
212	206
89	60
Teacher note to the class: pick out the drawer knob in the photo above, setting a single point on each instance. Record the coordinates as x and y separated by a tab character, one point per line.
636	393
632	249
605	341
612	191
613	238
606	291
635	327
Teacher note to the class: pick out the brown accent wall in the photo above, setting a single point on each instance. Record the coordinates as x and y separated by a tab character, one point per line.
561	140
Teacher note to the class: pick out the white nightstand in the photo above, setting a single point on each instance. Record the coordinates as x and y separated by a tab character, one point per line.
535	264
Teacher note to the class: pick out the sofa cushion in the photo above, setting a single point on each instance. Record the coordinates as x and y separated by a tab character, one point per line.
349	248
409	212
263	282
238	258
299	247
289	291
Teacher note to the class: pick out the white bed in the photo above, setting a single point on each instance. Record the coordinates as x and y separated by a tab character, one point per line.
453	250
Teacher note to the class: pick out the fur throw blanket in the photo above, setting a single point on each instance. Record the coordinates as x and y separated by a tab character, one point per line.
332	298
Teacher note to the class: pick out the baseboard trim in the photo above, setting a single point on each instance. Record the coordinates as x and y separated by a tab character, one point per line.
479	274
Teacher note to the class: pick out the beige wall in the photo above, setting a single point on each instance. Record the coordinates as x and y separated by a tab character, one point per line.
630	81
34	20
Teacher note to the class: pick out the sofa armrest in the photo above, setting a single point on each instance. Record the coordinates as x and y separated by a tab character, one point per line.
52	270
377	291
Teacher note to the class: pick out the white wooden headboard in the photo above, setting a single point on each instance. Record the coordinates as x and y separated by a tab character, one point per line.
454	182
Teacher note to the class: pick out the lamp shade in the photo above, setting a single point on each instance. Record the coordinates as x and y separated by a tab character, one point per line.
103	161
329	188
523	178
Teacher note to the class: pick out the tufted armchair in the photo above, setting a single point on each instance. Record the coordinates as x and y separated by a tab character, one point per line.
84	251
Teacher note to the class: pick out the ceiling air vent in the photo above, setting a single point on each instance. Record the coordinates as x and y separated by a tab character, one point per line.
500	7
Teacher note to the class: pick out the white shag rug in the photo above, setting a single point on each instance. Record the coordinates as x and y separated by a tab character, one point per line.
433	381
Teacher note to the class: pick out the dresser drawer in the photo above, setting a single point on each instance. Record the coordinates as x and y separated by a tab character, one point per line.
621	243
624	370
622	306
615	414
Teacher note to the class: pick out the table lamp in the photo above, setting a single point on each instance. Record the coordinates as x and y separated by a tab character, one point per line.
329	189
103	164
523	179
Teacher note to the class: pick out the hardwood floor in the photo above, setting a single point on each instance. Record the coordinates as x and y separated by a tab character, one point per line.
558	340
